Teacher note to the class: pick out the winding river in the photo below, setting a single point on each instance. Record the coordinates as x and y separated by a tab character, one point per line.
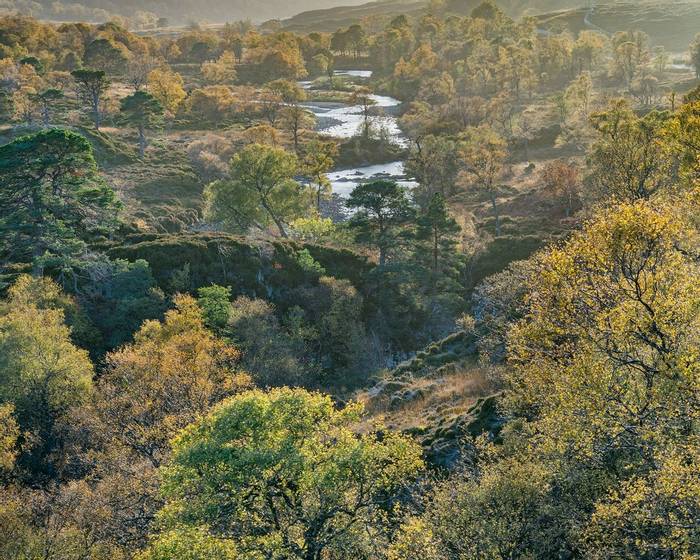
343	121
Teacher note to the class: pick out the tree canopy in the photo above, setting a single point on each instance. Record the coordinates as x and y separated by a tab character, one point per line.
262	190
298	481
52	196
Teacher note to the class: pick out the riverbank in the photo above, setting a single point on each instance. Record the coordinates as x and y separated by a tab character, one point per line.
361	160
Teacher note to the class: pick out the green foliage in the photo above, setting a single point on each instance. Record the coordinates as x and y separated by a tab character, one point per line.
262	191
144	111
309	265
231	261
439	231
382	209
298	481
34	62
52	196
44	293
42	374
215	302
394	305
122	295
317	230
189	543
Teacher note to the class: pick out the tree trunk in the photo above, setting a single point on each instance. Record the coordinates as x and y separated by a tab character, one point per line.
37	269
435	252
495	213
142	141
280	226
278	222
381	242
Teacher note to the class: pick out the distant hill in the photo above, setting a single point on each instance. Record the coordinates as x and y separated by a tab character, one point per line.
672	23
330	19
177	11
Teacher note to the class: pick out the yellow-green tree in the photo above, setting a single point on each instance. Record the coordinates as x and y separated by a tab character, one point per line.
284	474
318	159
168	88
262	190
629	160
482	156
607	372
42	375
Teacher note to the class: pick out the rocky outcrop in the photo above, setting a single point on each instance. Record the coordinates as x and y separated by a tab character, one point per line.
435	397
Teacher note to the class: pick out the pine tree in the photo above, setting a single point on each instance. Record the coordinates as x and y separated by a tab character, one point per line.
52	198
143	111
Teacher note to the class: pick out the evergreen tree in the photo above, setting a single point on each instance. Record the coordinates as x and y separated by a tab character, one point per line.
52	198
438	230
144	111
92	85
382	208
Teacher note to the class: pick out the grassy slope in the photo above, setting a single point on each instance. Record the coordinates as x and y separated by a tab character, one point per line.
440	397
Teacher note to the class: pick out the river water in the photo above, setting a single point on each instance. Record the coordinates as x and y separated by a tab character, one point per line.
339	120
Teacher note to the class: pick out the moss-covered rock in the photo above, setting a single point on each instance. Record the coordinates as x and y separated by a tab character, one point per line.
426	398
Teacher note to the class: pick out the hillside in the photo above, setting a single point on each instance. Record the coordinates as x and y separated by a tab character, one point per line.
330	19
177	12
672	24
441	397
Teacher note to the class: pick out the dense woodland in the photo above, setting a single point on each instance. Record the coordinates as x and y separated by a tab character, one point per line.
207	353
